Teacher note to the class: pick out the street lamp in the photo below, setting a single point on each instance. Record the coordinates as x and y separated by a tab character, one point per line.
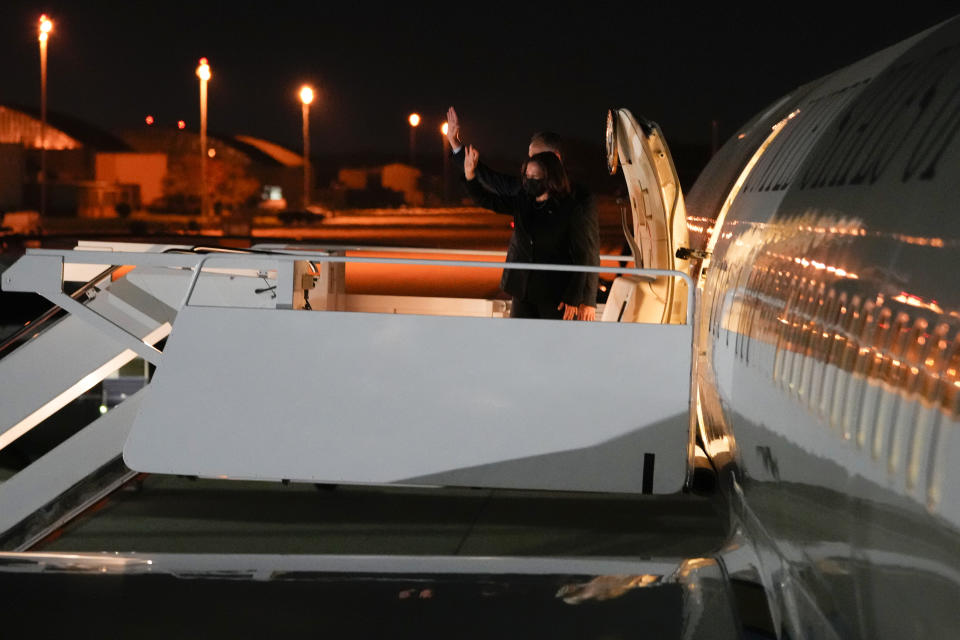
44	27
444	128
414	121
203	72
306	97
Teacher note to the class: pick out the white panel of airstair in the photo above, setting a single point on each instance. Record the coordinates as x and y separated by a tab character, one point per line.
377	398
69	463
68	358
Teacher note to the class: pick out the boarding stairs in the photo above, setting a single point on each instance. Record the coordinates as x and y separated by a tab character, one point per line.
272	371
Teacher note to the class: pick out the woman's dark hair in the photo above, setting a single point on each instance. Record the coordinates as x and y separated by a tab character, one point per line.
554	175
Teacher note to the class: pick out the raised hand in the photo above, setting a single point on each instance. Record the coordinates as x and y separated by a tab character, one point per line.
470	159
453	128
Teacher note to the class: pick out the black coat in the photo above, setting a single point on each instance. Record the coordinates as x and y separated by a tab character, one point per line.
550	232
511	185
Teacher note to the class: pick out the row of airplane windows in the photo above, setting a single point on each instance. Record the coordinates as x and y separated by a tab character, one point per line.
880	372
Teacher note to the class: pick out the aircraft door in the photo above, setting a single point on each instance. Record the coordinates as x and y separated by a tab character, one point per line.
658	225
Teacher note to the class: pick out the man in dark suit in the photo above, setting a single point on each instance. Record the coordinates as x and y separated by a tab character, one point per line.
508	185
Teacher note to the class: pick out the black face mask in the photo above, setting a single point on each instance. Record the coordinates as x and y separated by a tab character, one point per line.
534	187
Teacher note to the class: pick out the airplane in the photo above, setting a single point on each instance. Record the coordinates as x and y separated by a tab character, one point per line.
827	344
801	317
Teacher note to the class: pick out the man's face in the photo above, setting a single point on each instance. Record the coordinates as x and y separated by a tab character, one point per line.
537	147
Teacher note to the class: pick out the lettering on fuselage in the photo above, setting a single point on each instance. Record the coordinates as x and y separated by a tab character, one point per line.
779	165
916	101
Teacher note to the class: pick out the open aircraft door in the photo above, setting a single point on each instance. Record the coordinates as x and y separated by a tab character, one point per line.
656	226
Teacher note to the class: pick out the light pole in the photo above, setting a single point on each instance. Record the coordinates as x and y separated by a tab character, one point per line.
306	97
444	128
414	121
203	72
43	34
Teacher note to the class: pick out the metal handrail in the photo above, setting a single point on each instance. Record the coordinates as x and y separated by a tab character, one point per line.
310	248
196	262
47	315
527	266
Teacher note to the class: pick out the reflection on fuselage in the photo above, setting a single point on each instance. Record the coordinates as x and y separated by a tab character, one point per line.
879	370
829	369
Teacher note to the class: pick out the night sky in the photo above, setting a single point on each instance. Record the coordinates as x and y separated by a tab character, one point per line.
509	68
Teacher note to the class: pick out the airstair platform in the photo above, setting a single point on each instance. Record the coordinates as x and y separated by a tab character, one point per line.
271	371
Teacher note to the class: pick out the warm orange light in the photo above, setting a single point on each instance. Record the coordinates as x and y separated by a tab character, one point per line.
211	152
46	26
306	94
181	124
917	301
203	71
148	119
444	128
414	119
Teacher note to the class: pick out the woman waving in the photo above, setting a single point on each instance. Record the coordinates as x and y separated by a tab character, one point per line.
549	229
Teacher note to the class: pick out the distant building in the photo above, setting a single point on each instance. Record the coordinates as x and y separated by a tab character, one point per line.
403	178
73	184
279	170
243	171
388	185
147	170
92	173
23	127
